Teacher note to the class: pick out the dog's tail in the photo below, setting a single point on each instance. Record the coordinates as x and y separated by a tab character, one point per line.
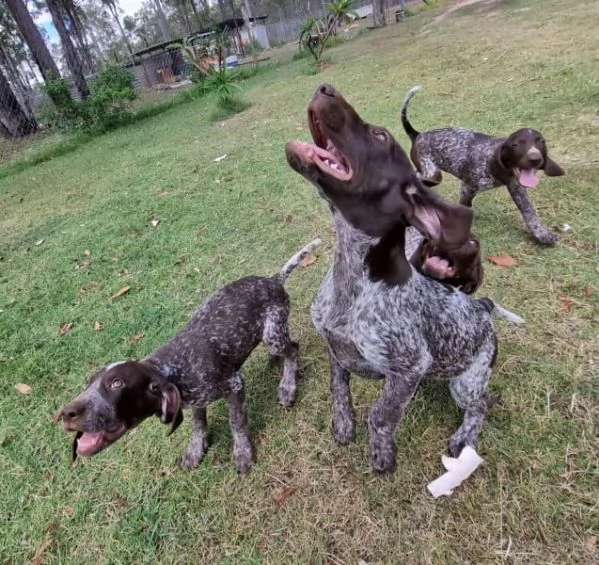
297	259
407	126
496	310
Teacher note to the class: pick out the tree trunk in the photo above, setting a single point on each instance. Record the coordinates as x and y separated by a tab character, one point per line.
34	39
15	122
378	13
162	22
79	34
69	49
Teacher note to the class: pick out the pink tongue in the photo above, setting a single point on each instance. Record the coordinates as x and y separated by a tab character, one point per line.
528	178
90	443
437	266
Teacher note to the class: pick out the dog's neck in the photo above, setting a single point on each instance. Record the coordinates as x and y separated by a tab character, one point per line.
355	250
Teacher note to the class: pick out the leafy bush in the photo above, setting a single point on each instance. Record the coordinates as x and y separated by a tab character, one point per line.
222	82
108	105
111	93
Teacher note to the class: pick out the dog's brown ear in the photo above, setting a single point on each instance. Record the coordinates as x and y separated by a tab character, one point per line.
443	223
552	169
170	406
474	279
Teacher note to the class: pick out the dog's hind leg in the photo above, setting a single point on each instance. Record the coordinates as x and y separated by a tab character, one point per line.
278	344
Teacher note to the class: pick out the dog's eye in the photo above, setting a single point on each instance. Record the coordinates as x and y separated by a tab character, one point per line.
473	242
116	383
154	388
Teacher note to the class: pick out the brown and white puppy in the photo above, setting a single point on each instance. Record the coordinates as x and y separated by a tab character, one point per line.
200	365
461	268
482	162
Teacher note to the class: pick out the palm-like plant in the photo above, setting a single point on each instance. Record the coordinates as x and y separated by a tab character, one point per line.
340	11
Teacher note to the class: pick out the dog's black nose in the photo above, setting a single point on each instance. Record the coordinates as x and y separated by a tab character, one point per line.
72	411
327	90
535	162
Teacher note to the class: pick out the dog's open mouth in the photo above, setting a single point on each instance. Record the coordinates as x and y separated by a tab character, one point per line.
90	443
438	267
526	177
323	153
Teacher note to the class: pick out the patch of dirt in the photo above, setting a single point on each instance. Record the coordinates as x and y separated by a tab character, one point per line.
463	4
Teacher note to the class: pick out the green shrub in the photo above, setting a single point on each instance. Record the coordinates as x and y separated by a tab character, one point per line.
108	105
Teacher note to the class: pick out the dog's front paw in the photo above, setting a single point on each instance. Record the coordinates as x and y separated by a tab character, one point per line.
287	391
194	454
383	451
344	429
244	456
545	237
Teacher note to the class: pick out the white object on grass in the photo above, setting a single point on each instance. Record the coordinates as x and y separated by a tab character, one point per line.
566	227
219	158
458	470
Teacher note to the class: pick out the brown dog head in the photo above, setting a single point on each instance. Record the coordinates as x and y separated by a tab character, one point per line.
116	399
521	156
461	267
366	175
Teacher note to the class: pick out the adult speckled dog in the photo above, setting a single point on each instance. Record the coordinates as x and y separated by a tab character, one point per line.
198	366
482	162
381	318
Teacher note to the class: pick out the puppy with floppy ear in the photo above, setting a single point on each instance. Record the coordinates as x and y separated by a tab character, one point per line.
461	267
482	162
199	365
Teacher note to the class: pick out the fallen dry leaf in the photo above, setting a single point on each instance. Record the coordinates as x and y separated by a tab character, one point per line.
135	339
69	510
83	290
219	158
87	253
94	284
66	328
503	260
38	558
122	291
566	302
588	291
284	494
308	260
23	388
154	223
98	326
39	242
592	544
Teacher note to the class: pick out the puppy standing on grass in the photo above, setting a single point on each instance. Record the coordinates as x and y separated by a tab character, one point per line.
482	162
199	365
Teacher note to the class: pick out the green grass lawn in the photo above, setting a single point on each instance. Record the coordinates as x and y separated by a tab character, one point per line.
495	67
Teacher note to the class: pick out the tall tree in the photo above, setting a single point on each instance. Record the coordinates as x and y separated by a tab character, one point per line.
73	61
113	8
33	37
162	21
75	13
14	121
378	13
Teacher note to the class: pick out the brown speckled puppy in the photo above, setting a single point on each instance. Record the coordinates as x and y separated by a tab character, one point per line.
482	162
198	366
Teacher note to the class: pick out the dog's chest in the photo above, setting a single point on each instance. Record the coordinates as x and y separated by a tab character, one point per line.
336	312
